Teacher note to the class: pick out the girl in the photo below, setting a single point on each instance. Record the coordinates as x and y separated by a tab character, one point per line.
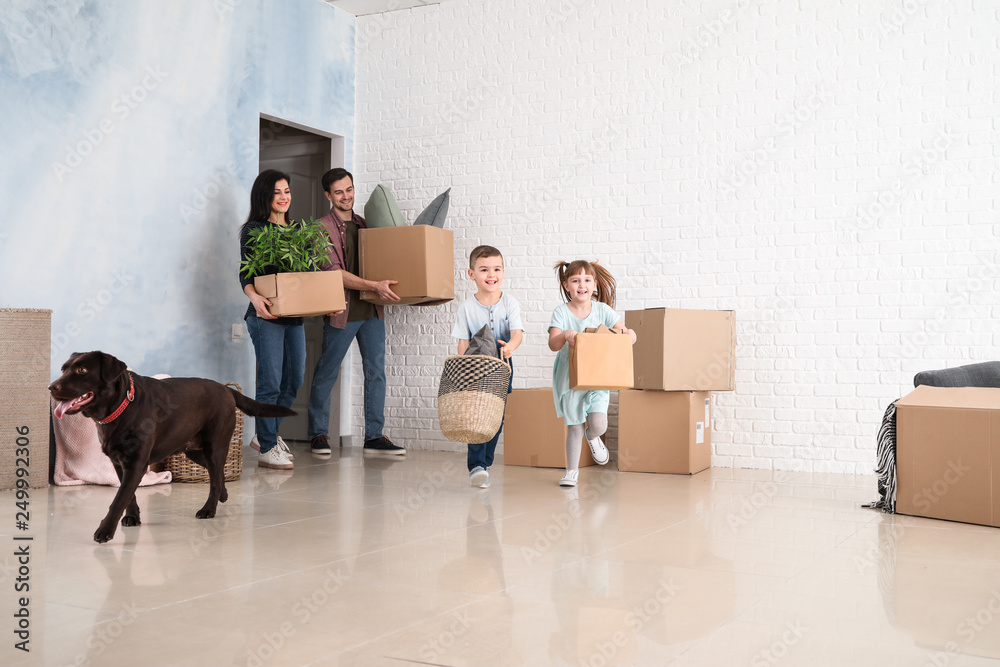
278	342
589	291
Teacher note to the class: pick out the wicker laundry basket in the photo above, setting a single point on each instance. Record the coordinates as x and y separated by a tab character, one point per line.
25	349
184	469
472	397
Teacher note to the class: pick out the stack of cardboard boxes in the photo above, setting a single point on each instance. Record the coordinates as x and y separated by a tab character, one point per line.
680	358
664	422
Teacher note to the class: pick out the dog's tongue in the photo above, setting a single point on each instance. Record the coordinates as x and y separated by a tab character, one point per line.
61	408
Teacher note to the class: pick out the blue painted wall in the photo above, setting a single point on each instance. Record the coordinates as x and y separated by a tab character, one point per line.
130	142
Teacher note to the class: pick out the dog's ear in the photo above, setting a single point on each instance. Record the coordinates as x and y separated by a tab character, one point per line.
111	367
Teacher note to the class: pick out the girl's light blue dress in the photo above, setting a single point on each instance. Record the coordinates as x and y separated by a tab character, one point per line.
574	406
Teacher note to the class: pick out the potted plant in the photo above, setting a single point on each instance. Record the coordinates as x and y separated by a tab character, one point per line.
300	287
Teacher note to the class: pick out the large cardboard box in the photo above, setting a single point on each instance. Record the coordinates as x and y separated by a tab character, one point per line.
421	258
948	454
533	435
600	359
302	294
684	350
664	431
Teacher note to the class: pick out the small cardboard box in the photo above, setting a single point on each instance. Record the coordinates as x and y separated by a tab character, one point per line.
600	359
684	350
948	454
302	294
664	431
533	435
420	258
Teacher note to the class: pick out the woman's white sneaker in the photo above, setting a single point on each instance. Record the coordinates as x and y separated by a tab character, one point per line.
275	458
570	478
255	445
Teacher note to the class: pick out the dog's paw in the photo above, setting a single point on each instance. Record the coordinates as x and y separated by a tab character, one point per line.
224	496
128	521
205	514
103	534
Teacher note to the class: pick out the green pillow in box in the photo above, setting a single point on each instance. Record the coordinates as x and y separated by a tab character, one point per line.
382	210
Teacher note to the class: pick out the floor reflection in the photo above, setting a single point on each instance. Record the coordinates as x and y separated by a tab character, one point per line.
354	561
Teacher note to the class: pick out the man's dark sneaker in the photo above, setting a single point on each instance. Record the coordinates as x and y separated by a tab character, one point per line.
383	447
320	445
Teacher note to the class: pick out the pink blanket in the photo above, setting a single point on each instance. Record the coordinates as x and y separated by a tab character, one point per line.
79	459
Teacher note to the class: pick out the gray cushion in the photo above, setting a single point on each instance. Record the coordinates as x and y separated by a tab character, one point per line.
986	374
381	209
436	211
483	343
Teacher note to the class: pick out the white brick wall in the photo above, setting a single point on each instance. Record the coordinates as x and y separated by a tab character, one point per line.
829	170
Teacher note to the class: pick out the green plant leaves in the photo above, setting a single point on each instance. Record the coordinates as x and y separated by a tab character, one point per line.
293	248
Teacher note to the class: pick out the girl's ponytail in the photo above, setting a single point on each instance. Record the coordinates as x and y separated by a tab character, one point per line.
604	282
606	285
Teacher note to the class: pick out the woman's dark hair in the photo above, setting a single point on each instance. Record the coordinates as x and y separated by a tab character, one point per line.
262	194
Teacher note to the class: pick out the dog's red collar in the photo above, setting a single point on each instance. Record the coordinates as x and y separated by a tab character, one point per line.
121	408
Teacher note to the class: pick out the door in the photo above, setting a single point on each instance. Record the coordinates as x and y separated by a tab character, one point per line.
305	156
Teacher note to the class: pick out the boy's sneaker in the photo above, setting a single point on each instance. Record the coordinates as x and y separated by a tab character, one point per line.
570	478
255	445
480	477
598	450
275	458
383	447
320	445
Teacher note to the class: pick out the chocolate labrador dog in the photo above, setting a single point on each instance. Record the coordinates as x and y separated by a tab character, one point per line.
142	420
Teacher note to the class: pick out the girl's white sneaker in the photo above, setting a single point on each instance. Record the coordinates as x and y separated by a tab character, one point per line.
598	451
570	478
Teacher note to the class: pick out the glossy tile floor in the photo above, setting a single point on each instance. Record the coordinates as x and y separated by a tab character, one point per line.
347	561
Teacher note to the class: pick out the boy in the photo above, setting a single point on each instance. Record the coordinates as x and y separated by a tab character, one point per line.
502	313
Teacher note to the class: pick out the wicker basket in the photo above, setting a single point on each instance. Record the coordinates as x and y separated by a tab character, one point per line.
472	396
25	349
184	469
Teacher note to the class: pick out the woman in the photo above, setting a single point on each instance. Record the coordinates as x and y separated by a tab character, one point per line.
279	342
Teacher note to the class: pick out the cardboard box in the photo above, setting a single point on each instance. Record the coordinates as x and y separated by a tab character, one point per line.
600	359
664	431
302	294
533	435
684	350
421	258
948	454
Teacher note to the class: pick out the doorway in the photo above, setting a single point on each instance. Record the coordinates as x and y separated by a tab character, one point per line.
305	155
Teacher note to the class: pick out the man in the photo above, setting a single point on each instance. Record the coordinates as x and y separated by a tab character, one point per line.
361	320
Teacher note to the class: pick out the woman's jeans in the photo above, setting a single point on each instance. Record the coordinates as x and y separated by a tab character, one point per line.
281	366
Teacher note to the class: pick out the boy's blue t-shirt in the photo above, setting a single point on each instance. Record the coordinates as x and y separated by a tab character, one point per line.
502	318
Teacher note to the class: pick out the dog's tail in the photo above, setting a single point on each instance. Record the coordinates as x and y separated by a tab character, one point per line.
258	409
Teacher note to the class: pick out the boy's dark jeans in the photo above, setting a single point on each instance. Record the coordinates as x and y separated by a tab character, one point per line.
481	454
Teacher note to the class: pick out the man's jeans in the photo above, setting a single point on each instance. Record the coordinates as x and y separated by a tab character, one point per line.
281	364
371	342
